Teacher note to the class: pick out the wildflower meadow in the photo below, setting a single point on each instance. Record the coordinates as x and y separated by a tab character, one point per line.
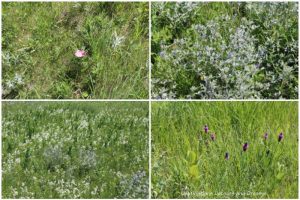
75	150
72	50
80	119
224	150
224	50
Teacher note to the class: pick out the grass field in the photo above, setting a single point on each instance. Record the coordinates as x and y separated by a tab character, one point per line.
188	162
224	50
39	41
75	150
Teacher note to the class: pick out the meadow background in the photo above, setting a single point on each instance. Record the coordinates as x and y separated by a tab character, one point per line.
189	163
75	150
224	50
39	41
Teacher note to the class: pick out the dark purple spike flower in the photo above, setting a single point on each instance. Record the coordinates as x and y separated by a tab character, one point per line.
245	146
280	137
226	156
206	129
266	135
213	136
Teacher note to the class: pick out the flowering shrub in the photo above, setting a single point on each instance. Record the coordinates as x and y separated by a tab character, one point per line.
75	150
224	50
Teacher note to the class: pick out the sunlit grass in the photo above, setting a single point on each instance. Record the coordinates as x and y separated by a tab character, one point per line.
187	163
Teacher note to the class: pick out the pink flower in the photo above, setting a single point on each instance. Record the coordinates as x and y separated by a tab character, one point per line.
80	53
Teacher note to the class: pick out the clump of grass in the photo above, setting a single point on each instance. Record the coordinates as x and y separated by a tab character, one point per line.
39	41
224	150
75	150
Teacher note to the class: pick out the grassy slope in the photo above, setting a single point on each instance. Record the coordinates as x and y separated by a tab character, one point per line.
117	133
39	41
183	163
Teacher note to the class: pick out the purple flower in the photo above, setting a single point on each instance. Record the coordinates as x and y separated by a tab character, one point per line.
266	136
226	156
213	136
206	129
280	137
245	146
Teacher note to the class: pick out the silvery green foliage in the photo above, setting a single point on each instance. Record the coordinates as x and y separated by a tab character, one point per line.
53	155
281	58
228	56
135	186
225	68
88	158
178	14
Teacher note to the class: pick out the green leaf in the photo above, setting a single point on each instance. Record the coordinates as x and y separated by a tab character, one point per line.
191	157
193	171
85	94
280	175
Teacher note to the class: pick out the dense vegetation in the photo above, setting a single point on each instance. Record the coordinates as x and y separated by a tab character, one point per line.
75	150
224	150
41	41
225	50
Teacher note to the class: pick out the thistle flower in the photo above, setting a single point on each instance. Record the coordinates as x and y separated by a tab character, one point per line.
206	129
10	84
245	146
226	156
18	79
280	137
266	136
213	136
117	40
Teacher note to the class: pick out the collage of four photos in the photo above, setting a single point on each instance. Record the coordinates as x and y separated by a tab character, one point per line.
149	100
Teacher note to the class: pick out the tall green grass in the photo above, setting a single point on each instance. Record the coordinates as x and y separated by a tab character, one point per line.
187	163
39	41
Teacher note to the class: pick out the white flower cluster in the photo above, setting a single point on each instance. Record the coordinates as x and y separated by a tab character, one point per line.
15	82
